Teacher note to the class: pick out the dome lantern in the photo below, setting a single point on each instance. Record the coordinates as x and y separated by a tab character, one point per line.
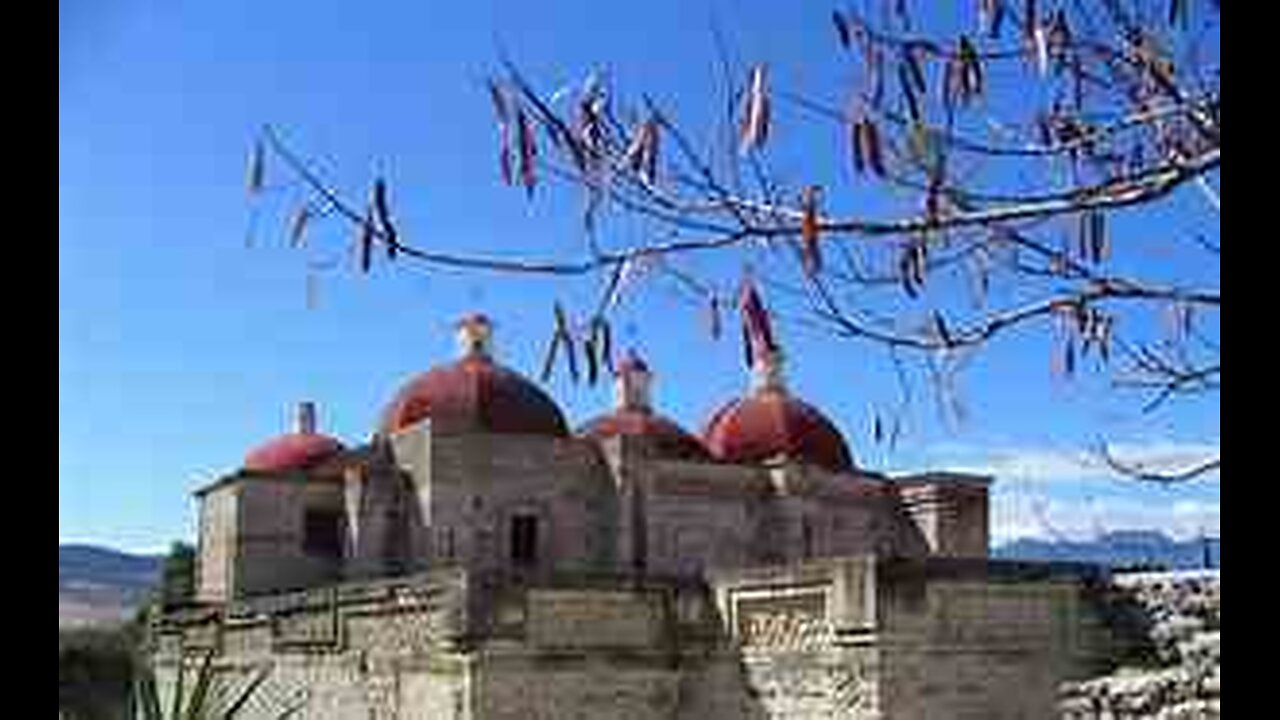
296	450
633	416
770	423
631	388
475	335
474	393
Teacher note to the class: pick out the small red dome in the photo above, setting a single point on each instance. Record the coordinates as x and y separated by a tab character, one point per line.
295	451
769	423
668	438
474	394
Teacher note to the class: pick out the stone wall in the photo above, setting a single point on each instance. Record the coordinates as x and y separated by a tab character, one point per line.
357	652
479	483
218	537
854	638
862	638
252	535
1181	675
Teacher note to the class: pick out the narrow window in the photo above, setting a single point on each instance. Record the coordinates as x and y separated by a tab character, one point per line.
447	543
524	540
806	532
322	533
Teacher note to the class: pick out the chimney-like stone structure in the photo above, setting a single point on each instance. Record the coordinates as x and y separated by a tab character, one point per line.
766	372
475	336
632	385
306	417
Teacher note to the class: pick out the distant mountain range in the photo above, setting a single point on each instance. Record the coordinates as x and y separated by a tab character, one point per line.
1116	549
97	584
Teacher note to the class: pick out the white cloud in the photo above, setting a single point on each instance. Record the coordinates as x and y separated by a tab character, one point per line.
1072	463
1016	514
1069	491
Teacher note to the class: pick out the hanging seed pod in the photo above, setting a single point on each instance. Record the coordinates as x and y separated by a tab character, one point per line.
549	360
571	354
504	157
856	145
528	151
877	430
991	16
875	65
503	113
970	69
842	29
562	331
383	215
940	327
755	318
631	157
1098	236
811	253
1044	123
593	362
951	90
908	93
641	156
713	317
871	141
1040	45
909	269
932	204
755	121
1104	342
915	73
500	106
605	342
908	281
298	227
257	168
1069	357
366	241
1059	38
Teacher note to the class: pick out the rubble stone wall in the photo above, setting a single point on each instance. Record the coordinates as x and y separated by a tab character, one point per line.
1182	676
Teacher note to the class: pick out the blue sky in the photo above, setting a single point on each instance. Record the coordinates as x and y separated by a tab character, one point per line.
181	346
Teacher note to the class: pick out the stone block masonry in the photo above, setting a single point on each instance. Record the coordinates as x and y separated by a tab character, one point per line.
857	638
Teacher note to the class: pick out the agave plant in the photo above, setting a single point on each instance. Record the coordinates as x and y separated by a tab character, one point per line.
209	699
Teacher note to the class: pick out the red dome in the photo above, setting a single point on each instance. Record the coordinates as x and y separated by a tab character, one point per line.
668	438
294	451
771	423
474	394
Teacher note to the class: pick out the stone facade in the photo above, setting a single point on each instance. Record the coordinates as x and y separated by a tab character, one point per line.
461	569
1179	674
423	500
859	638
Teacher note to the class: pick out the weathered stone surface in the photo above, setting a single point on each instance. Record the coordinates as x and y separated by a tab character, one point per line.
1184	613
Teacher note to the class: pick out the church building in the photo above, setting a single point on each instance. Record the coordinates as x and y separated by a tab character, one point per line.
480	558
